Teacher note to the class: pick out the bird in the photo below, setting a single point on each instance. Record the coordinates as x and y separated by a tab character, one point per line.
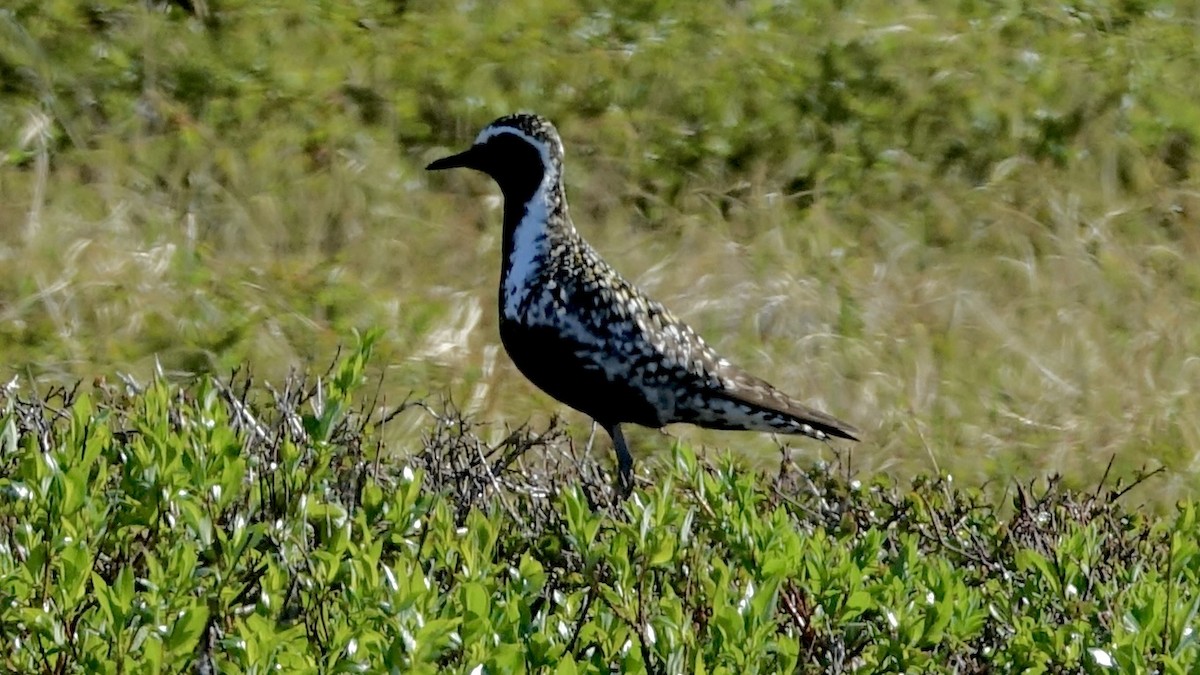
589	338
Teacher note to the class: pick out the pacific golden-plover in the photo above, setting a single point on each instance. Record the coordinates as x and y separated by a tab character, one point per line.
591	339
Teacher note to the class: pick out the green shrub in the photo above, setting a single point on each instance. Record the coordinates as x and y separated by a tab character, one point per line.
231	526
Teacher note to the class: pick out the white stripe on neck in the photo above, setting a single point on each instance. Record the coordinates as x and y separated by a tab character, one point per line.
529	236
529	249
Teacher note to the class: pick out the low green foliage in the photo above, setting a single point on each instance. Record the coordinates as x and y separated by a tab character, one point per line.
248	529
963	226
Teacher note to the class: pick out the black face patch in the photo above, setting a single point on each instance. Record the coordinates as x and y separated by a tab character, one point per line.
535	127
514	164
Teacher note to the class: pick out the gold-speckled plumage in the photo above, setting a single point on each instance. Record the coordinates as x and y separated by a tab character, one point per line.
588	337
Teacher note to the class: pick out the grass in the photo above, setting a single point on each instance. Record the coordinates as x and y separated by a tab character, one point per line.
966	228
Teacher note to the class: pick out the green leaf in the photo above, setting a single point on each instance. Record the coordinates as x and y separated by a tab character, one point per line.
566	666
123	590
533	574
855	604
187	629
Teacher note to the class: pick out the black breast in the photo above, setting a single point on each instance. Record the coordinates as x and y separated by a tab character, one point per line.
573	373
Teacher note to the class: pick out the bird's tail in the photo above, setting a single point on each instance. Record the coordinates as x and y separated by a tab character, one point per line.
750	404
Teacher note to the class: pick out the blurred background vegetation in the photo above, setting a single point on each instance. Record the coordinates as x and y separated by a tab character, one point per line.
968	227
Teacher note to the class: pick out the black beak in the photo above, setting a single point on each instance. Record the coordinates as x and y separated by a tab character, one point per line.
466	159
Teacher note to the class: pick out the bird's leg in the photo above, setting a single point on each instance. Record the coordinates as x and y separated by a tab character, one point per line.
624	460
591	438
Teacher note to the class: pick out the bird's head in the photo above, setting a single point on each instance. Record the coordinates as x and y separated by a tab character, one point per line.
518	151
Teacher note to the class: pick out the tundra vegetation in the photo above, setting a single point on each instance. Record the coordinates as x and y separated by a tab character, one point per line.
969	228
